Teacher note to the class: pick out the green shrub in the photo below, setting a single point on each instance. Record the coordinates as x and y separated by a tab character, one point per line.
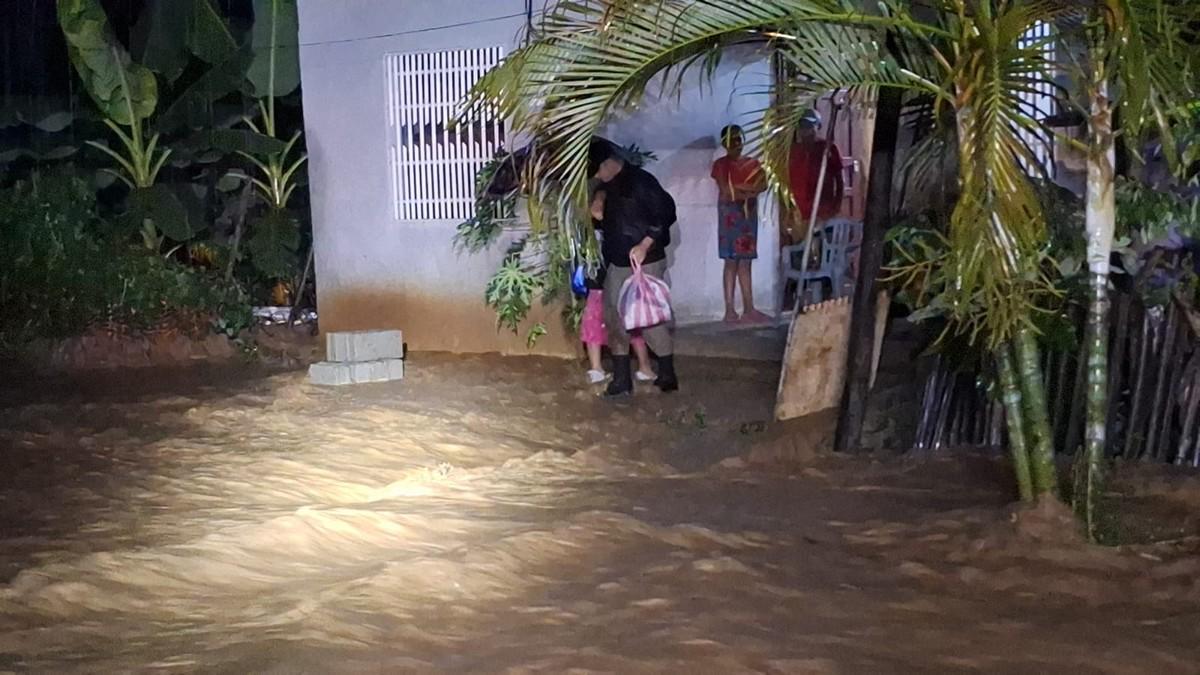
64	270
49	241
146	291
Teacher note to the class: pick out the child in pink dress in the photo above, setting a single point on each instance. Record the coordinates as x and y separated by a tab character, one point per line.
594	335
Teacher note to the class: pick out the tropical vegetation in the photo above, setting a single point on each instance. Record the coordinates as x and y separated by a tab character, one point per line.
192	168
64	270
965	68
537	265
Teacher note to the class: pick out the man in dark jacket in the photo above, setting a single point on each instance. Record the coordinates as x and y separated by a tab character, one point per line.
635	215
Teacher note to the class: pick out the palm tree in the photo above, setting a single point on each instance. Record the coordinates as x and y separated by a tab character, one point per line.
1139	62
589	58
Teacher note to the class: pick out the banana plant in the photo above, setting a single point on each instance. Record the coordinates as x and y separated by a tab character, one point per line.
142	160
277	170
275	236
127	94
274	72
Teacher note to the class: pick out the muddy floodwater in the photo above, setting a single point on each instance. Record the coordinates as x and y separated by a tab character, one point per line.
490	515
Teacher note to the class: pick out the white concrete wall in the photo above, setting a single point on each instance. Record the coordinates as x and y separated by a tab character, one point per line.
376	272
683	132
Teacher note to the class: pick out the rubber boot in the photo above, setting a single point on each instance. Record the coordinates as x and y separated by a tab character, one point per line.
622	380
667	381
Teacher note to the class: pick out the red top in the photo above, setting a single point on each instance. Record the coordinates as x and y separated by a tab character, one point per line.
743	171
804	165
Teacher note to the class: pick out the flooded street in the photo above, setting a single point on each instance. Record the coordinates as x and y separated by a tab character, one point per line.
489	515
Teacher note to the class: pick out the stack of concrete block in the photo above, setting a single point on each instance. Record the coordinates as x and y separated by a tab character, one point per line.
359	357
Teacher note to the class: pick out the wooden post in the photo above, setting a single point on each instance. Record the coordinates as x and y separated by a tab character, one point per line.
876	220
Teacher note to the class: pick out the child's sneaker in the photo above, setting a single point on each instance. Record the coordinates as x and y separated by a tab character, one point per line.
597	376
645	377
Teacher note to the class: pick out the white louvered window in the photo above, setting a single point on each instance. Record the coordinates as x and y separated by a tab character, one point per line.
1040	103
433	162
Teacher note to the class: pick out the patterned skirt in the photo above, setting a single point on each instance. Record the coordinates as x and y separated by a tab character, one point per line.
737	230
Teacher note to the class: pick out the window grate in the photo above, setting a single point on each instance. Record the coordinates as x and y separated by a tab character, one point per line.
433	166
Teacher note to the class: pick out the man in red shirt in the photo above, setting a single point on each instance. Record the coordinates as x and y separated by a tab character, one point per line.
804	167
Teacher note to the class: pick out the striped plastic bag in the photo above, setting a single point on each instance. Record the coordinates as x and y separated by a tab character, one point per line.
644	300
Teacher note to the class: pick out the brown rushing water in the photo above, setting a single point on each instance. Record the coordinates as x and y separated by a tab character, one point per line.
488	515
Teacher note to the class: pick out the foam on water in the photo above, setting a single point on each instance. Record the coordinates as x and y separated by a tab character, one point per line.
452	522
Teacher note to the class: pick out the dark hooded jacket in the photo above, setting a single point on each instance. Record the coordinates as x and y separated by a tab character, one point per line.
635	207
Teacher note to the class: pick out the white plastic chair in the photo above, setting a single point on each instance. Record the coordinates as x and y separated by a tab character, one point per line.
841	239
838	238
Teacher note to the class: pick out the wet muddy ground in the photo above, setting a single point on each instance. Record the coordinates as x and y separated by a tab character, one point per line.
490	515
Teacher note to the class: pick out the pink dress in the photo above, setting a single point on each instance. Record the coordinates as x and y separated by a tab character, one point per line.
591	327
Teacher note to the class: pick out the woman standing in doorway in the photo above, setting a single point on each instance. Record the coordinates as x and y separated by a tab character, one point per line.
740	180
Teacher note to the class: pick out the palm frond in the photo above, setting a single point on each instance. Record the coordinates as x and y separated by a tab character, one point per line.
1149	48
970	58
594	56
998	229
927	177
822	58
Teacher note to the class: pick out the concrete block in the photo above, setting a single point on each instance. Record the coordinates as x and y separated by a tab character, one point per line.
365	345
328	373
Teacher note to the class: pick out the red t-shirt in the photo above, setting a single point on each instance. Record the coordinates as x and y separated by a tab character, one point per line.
740	171
804	166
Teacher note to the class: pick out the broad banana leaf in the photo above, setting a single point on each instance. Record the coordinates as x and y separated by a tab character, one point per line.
236	140
273	243
160	205
275	70
48	155
123	90
168	33
52	122
230	182
193	108
194	199
44	114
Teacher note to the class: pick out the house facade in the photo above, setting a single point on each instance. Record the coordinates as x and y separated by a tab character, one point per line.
390	182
